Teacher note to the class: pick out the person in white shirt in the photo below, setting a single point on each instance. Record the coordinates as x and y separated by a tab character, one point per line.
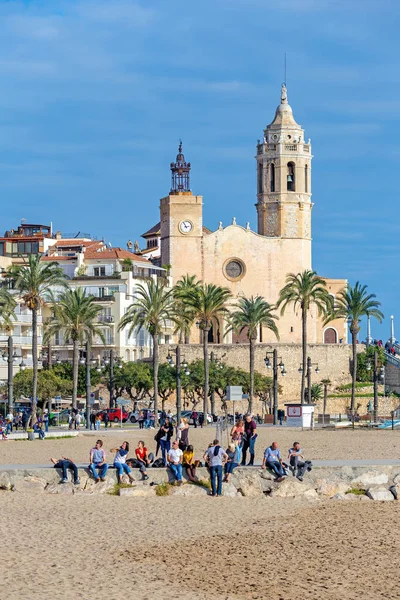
175	455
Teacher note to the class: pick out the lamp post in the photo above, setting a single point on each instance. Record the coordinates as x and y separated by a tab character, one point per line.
11	356
309	370
275	367
378	376
88	384
170	361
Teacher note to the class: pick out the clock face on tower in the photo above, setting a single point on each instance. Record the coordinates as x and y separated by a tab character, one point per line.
185	226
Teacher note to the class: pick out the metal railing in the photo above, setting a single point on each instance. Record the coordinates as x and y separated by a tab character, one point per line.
21	339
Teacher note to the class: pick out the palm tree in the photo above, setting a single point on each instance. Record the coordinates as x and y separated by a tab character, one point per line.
184	314
208	304
35	281
250	314
351	304
305	290
150	310
76	316
7	307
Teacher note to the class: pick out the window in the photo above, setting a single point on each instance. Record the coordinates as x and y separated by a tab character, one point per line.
260	177
272	177
291	187
99	271
1	248
234	269
306	179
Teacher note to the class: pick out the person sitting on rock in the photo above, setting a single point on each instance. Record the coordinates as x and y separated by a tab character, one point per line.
98	461
272	460
37	429
233	453
175	457
189	463
65	463
143	458
296	465
120	462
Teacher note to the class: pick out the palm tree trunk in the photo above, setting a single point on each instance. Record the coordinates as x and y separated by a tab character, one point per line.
75	365
155	376
304	351
206	376
354	370
35	366
251	394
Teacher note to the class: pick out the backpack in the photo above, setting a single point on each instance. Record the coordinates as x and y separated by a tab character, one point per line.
158	463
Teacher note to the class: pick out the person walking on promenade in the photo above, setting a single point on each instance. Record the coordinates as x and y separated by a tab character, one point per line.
92	420
233	453
273	459
141	419
249	437
201	419
164	436
175	457
46	420
195	416
98	461
189	463
281	415
296	465
64	464
215	457
143	458
183	434
97	422
120	461
106	419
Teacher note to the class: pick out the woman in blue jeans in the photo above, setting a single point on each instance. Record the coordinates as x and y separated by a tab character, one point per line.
233	452
164	436
120	461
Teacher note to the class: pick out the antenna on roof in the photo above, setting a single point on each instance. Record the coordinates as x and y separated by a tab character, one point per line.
23	221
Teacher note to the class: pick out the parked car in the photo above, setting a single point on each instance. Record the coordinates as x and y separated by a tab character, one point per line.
134	415
114	415
187	414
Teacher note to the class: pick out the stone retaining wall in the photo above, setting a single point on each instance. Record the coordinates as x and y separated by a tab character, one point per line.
378	483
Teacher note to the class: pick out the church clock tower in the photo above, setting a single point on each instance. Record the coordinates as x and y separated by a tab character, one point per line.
284	177
181	223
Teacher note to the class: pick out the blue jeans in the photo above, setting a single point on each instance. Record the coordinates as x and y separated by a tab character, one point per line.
216	473
67	464
177	471
165	446
46	426
102	470
122	468
276	467
229	466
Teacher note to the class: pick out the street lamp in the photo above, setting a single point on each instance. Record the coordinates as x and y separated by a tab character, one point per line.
184	364
309	370
378	376
276	367
11	357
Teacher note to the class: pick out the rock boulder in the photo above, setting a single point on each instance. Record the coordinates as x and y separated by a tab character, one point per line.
380	494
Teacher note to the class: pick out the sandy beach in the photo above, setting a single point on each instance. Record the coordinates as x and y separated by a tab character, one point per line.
317	444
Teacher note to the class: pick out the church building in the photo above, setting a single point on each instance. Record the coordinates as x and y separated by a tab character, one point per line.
245	261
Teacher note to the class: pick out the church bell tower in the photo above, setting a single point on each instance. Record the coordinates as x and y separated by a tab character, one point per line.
284	177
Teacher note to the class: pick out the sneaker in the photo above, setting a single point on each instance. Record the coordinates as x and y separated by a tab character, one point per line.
77	482
102	479
280	479
64	480
180	482
97	480
299	478
145	477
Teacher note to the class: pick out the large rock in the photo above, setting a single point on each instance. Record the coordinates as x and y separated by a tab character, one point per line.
5	481
60	488
380	494
189	490
370	478
29	484
229	490
290	488
328	487
351	497
139	491
395	490
102	487
396	479
248	483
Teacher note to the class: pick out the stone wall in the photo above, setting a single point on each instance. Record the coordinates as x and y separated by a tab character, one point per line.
333	361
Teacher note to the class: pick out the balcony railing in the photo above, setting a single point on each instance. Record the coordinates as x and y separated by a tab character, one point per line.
291	147
105	298
26	318
105	319
21	340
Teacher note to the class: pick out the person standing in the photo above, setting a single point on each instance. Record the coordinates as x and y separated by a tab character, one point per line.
97	422
215	457
281	416
273	459
249	439
183	434
164	436
195	416
106	419
175	456
46	420
237	432
120	461
98	461
201	419
141	419
92	419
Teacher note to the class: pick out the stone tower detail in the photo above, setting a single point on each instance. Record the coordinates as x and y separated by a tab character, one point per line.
284	177
181	223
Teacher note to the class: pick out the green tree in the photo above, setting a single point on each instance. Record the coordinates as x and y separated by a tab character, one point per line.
49	385
208	302
166	382
366	359
250	314
7	308
305	290
316	392
65	371
35	280
150	310
76	316
184	314
352	304
135	379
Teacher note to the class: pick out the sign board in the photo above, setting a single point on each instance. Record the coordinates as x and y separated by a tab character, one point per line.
294	411
122	402
234	393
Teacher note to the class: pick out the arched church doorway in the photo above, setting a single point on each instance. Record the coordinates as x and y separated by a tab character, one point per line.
330	336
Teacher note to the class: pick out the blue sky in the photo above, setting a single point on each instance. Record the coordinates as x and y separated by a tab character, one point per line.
94	96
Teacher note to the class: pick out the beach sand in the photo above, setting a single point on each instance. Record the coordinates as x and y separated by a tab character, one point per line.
109	548
317	444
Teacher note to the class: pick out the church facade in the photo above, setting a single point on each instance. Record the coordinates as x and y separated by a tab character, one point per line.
245	261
